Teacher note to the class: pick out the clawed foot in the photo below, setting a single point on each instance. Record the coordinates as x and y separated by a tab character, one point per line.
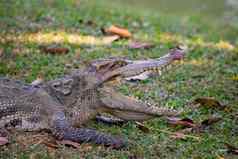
118	143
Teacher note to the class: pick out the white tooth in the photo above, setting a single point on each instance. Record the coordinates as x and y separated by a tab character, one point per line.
160	73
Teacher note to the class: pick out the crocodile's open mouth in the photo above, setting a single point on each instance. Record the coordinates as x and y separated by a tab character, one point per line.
129	108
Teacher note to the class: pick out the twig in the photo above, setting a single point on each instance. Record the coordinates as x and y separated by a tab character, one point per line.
174	133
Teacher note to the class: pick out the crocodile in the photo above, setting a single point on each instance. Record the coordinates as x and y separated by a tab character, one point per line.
62	106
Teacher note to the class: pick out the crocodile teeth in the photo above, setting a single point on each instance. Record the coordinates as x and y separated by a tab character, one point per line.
141	76
160	73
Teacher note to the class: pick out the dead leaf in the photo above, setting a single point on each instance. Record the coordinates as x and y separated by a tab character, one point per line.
54	49
206	123
3	141
185	122
186	130
142	127
1	52
122	32
178	135
209	102
140	45
210	121
231	149
50	144
110	39
69	143
220	157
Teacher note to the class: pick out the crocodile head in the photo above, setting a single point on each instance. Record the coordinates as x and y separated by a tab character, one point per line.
122	106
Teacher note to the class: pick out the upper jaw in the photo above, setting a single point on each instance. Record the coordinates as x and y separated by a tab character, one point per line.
138	67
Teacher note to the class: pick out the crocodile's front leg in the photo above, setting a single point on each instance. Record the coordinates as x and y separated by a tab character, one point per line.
64	131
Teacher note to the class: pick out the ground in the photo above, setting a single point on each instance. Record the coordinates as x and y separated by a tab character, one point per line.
210	69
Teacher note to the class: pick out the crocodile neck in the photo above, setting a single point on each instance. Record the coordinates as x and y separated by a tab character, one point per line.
78	100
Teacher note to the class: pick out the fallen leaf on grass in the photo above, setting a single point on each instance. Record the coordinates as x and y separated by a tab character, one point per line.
210	121
1	52
186	130
122	32
206	123
209	102
69	143
3	141
185	122
52	144
142	127
189	126
54	49
231	149
220	157
178	135
110	39
140	45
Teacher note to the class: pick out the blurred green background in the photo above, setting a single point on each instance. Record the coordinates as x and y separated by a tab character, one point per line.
221	14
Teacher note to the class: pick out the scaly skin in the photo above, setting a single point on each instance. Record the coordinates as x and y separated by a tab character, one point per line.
65	104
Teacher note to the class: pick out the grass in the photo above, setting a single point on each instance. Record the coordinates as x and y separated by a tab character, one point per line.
209	70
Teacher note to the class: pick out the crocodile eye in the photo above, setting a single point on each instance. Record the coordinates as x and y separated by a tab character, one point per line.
56	84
